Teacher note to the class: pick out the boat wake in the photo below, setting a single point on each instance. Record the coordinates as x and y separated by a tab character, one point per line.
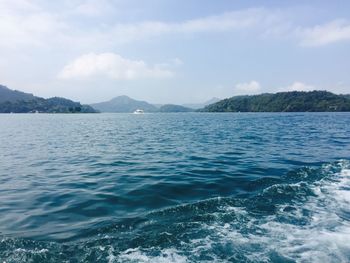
304	217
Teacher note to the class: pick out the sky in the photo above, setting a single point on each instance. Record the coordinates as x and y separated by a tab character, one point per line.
173	51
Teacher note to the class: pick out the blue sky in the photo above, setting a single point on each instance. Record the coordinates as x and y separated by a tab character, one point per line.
173	51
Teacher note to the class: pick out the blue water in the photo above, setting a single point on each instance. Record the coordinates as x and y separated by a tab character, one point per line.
175	187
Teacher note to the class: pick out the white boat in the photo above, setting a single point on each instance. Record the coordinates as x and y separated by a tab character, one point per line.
138	111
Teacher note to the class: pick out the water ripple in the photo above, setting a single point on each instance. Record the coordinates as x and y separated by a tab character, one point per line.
175	187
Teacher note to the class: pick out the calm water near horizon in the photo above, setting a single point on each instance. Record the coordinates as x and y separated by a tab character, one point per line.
187	187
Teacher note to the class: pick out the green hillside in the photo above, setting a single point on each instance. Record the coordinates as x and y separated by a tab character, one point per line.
295	101
20	102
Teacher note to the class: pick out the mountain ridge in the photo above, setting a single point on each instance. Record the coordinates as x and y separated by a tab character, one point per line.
124	103
7	94
14	101
292	101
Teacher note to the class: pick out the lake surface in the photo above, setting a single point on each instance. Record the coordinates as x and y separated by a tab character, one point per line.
238	187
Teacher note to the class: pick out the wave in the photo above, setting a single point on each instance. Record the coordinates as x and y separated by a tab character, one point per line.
302	217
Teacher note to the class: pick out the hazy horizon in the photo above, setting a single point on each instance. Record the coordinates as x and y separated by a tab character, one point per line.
171	52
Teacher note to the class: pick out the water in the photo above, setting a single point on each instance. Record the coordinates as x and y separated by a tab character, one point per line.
175	187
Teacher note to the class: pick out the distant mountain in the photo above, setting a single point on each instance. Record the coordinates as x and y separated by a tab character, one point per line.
201	105
174	108
124	104
294	101
20	102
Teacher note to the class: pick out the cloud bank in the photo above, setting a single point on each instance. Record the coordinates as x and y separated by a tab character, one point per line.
332	32
26	22
113	66
252	87
298	86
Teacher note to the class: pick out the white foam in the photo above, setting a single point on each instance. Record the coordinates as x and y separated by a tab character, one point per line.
165	256
31	251
323	237
323	234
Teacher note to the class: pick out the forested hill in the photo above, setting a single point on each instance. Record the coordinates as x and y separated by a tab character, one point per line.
20	102
294	101
8	95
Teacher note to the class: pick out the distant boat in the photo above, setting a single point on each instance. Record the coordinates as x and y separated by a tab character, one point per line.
138	111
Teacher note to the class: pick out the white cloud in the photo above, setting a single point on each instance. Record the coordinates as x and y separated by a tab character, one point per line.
25	22
334	31
225	22
113	66
265	23
17	6
251	87
94	7
298	86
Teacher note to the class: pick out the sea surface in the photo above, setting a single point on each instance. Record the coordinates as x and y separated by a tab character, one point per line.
193	187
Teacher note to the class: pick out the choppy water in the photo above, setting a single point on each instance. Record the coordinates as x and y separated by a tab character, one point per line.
175	187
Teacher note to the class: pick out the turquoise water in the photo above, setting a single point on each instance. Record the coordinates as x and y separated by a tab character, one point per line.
175	187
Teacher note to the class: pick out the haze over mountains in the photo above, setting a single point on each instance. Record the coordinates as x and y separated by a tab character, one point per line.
293	101
20	102
124	104
174	108
201	105
127	104
13	101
